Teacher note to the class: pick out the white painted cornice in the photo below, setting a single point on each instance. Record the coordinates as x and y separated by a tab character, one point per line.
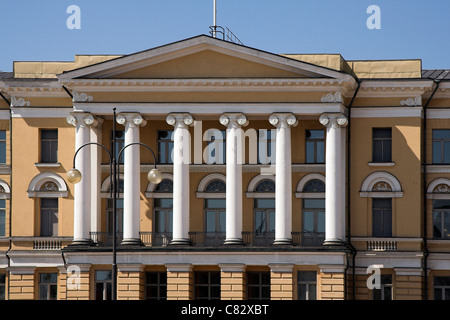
197	85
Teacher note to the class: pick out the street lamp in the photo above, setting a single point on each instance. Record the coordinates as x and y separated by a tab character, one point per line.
74	176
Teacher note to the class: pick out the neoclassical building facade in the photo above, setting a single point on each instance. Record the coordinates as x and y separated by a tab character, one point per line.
281	176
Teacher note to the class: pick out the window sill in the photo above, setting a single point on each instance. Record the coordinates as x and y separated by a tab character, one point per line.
381	164
47	165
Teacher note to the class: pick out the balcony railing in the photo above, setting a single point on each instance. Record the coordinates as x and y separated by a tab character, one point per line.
207	239
156	239
258	239
105	238
213	239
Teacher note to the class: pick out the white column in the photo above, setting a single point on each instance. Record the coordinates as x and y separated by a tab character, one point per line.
335	178
131	173
181	161
234	161
82	193
96	155
283	177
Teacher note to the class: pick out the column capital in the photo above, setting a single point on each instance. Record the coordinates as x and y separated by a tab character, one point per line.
83	119
334	120
132	119
283	120
233	120
179	119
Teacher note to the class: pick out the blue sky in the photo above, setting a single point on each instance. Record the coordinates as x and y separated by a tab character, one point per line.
35	30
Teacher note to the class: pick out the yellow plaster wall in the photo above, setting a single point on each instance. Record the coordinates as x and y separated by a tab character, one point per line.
406	140
26	145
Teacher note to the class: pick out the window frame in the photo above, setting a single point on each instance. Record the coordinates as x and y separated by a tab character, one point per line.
314	142
106	286
161	286
2	217
379	294
308	284
442	288
260	285
383	140
49	287
168	143
442	147
53	213
444	215
210	285
3	147
52	152
381	233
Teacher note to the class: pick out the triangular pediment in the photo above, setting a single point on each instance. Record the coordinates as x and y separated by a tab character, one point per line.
201	57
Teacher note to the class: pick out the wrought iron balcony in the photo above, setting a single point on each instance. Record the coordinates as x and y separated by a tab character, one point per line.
213	239
207	239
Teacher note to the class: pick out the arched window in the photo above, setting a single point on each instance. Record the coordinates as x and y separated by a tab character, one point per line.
262	190
312	189
382	187
212	188
439	192
47	187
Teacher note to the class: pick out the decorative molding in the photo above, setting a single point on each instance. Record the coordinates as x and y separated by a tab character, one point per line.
81	97
233	120
133	119
412	102
82	119
332	97
381	184
19	102
439	189
283	119
151	187
5	191
333	120
185	119
38	182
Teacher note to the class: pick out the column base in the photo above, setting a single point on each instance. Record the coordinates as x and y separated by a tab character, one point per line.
282	242
333	242
180	242
81	242
131	242
233	241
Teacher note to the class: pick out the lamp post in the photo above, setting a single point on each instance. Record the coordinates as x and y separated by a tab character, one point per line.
74	176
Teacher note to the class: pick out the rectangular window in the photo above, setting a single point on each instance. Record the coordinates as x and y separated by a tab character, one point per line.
49	217
207	285
2	286
103	285
266	143
313	222
382	145
441	219
48	286
2	147
385	291
382	217
306	285
156	285
216	146
258	285
2	217
165	146
49	146
441	288
315	146
120	143
441	146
